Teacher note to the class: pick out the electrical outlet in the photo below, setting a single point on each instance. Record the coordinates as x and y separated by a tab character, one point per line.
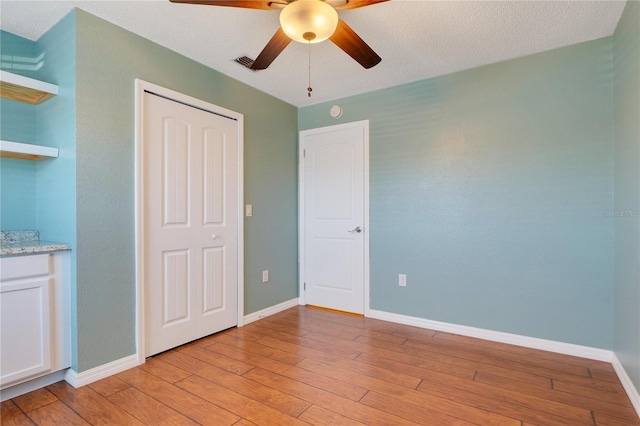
402	280
265	276
248	210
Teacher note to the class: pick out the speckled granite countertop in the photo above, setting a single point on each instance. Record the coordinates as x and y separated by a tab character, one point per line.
14	243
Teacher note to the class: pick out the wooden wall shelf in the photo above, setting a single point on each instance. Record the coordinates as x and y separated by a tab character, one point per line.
25	151
24	89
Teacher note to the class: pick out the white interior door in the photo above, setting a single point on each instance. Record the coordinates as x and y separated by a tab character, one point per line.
190	178
334	220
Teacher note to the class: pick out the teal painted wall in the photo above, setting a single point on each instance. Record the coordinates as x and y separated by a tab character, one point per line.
489	189
17	124
17	194
108	61
17	121
40	195
56	126
19	55
626	211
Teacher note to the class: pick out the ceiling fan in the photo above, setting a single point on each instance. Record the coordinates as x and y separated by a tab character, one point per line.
306	21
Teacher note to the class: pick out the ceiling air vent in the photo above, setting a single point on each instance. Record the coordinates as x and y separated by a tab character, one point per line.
245	61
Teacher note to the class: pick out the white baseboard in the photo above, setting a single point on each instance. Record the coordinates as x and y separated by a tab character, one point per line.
84	378
631	390
270	311
31	385
498	336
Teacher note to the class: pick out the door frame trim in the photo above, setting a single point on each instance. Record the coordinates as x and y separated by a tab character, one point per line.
141	87
364	124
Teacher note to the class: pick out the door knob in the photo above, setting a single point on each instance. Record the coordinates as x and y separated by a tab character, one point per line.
214	236
357	230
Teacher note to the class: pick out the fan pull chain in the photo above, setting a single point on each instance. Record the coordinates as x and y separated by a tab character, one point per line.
309	89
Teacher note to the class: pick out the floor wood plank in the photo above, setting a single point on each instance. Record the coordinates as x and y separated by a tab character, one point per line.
11	415
281	326
492	359
328	317
605	391
346	390
57	413
378	353
399	392
419	372
456	358
569	412
396	377
108	386
602	374
604	420
224	362
90	405
264	394
307	347
482	402
244	422
416	413
599	406
36	399
343	406
155	366
473	352
148	410
240	405
319	416
314	366
331	329
260	349
181	401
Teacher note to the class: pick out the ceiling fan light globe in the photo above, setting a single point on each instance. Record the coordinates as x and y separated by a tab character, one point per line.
301	17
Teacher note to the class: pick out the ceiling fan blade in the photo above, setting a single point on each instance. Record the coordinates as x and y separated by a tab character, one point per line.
354	4
347	39
271	51
247	4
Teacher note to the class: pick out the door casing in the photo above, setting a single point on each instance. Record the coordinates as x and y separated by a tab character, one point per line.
364	124
141	87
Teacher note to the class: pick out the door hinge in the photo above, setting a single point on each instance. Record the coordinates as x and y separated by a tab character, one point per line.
304	153
304	286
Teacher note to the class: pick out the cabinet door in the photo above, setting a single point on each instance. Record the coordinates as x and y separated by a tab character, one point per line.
25	346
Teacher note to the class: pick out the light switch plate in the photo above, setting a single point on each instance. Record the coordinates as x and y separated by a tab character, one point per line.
248	209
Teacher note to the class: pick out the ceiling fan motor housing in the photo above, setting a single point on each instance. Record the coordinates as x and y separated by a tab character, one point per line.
309	21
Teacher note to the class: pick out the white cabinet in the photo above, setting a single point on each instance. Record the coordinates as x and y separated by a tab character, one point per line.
26	337
34	313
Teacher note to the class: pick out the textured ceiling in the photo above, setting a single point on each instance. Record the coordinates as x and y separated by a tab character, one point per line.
416	39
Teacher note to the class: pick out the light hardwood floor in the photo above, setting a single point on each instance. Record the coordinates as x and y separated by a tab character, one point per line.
312	366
